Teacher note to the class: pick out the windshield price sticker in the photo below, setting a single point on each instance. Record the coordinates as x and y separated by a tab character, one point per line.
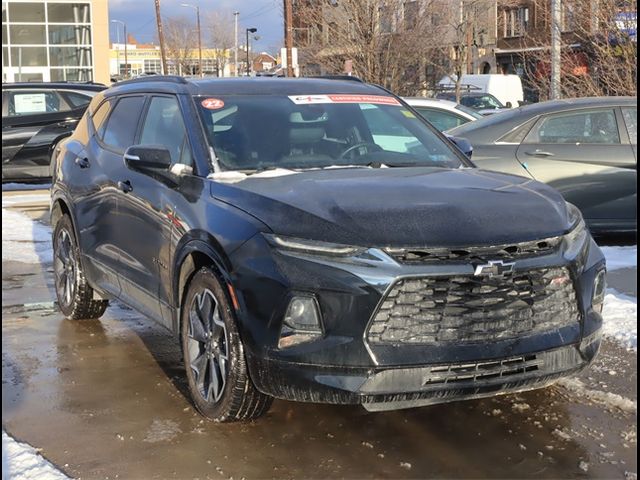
212	103
343	98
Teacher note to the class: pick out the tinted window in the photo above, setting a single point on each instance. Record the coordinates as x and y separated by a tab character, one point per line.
121	126
99	117
590	126
32	102
164	125
441	119
77	99
307	131
631	119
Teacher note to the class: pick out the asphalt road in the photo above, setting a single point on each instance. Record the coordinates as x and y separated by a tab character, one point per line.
107	399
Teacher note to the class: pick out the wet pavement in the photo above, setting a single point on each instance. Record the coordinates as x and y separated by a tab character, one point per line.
107	399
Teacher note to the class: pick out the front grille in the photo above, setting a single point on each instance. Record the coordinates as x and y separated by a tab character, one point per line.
471	309
478	371
512	251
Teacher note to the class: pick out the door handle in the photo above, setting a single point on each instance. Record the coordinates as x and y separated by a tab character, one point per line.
539	153
125	186
82	162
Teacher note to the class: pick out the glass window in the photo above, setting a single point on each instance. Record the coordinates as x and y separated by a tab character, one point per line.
5	56
480	102
441	119
70	56
122	123
631	119
29	56
77	99
5	38
27	34
32	102
591	127
71	74
69	12
26	12
254	132
69	34
99	116
164	125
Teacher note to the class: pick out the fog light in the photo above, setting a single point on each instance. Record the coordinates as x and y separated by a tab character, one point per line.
599	291
301	322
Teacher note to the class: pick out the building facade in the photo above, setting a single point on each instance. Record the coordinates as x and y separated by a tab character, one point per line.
55	40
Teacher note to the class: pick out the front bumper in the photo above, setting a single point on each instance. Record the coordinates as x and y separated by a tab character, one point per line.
345	367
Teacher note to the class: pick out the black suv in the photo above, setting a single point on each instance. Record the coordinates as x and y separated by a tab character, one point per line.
35	118
316	240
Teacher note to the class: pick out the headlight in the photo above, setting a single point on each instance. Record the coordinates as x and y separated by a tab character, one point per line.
311	246
574	240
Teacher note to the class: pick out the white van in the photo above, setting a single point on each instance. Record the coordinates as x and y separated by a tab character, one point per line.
506	88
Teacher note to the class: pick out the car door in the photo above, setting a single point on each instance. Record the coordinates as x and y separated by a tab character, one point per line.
587	157
114	125
32	120
146	214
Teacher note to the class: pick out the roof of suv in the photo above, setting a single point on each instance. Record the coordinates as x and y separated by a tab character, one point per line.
96	87
247	86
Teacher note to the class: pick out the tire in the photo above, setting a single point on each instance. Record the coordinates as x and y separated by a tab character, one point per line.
75	296
214	358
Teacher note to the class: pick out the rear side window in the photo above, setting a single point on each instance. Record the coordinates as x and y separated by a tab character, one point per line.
164	125
586	126
441	119
34	102
120	129
99	117
631	120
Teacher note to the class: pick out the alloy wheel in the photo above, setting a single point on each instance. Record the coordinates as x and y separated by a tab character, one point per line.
64	266
208	346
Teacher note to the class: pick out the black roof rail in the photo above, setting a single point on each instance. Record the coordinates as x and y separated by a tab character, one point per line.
155	78
339	77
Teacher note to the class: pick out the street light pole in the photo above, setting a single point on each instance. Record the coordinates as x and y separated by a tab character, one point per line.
126	63
249	30
235	50
197	9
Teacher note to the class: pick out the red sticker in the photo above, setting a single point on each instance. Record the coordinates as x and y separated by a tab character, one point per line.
212	103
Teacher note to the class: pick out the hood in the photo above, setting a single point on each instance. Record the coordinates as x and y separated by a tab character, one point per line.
401	206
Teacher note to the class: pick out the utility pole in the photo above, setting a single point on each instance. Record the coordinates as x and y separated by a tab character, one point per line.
161	39
235	50
556	40
197	9
288	37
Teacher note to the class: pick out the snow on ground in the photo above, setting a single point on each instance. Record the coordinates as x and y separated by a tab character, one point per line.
24	240
20	461
608	399
620	316
12	187
25	199
620	257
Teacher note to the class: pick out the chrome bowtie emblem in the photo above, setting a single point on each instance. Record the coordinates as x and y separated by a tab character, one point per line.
494	269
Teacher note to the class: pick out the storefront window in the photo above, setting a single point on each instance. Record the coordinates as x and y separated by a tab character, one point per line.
29	56
69	34
27	34
25	12
69	56
69	12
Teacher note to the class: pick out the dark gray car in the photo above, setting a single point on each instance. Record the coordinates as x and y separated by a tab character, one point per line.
586	148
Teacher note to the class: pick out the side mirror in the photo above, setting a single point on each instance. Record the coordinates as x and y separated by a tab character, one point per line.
509	105
150	158
462	143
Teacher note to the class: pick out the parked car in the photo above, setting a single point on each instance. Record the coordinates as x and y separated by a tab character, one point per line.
585	148
35	118
442	114
483	103
256	220
506	88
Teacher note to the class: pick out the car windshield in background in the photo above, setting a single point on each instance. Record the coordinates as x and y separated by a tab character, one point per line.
258	132
481	102
469	111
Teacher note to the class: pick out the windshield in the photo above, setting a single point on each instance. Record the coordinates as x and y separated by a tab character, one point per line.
481	102
469	111
258	132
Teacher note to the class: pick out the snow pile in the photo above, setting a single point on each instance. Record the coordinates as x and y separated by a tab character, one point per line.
621	257
22	462
607	399
25	199
24	240
620	316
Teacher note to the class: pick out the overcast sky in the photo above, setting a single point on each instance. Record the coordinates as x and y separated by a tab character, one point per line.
139	15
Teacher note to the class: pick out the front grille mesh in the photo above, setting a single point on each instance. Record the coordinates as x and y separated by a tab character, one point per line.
469	309
487	370
513	251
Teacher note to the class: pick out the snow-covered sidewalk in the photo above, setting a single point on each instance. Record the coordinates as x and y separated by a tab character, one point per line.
20	461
